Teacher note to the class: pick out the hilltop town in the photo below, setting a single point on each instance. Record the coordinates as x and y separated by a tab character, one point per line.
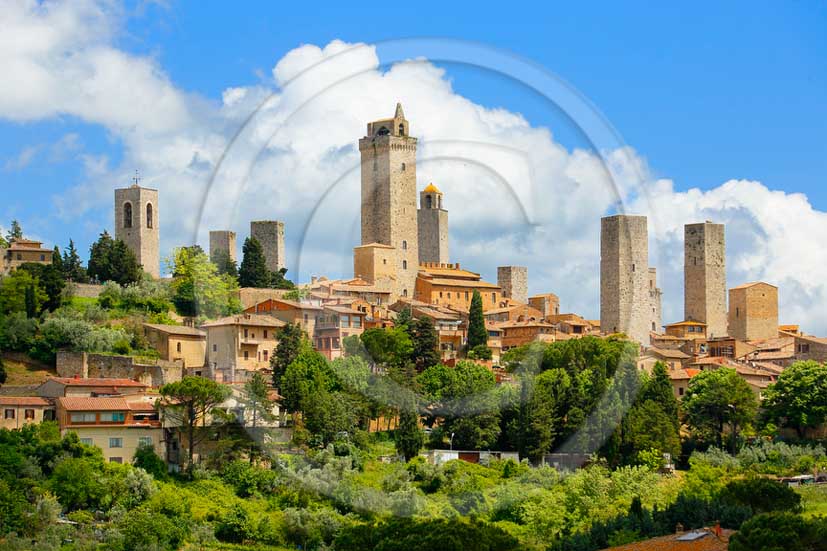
415	345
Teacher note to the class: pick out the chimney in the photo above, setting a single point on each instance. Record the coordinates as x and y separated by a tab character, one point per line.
679	528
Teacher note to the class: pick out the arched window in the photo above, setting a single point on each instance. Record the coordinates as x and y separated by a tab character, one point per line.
127	215
404	245
404	292
429	201
149	215
383	131
401	129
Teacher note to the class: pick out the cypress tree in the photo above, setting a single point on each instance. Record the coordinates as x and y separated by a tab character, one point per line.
100	254
31	302
477	334
409	438
253	271
425	343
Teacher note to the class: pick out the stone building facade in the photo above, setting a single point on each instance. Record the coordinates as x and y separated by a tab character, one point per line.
137	224
626	303
548	304
389	210
704	273
270	233
514	282
432	221
753	312
224	241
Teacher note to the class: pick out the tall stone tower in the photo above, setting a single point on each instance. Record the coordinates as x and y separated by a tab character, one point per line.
432	221
514	282
223	241
270	233
136	224
625	299
655	300
704	276
389	194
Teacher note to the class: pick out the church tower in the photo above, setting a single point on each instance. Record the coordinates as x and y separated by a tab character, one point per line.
389	195
136	224
432	220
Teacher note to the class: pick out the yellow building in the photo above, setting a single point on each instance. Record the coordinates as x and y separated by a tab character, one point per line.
451	286
116	426
239	345
687	329
21	251
24	410
178	342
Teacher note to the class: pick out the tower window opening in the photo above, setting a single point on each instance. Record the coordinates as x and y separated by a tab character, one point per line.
404	245
149	215
429	201
439	202
403	167
404	264
127	215
401	129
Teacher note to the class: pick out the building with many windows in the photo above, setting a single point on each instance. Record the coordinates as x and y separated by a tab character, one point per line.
239	345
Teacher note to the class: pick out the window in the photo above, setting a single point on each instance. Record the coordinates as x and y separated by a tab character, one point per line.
29	414
144	440
449	295
357	321
178	347
401	129
404	292
246	355
49	415
737	312
403	167
149	215
305	318
404	264
680	391
127	215
336	343
215	348
265	333
9	414
116	442
404	245
384	261
19	256
466	295
86	441
429	201
493	297
116	459
42	257
245	333
345	319
113	417
265	355
440	294
82	418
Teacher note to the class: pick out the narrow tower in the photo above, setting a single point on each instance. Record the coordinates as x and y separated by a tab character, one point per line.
514	282
432	221
389	194
136	224
223	241
625	299
270	234
704	275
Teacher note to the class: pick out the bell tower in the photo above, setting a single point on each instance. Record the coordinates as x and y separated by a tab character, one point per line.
432	220
389	214
136	224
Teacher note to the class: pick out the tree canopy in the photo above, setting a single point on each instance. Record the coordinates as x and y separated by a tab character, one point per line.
716	399
198	289
798	399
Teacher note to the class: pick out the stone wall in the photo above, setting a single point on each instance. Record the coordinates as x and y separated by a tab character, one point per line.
514	282
89	365
625	302
270	233
86	290
705	292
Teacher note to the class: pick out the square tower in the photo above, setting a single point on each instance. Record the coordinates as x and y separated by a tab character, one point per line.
514	282
270	234
704	276
432	221
136	224
223	241
753	312
389	194
655	301
625	300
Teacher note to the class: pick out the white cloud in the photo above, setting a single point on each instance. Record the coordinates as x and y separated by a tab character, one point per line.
514	195
23	159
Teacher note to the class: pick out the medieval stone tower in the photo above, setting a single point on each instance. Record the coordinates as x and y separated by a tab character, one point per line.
136	224
389	195
270	233
514	282
627	304
223	241
704	276
432	220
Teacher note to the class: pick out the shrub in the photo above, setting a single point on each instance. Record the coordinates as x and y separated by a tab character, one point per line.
235	526
762	495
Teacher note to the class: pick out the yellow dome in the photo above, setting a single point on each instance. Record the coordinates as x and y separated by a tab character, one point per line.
431	188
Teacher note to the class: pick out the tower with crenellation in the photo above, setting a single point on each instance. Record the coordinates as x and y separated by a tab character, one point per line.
389	213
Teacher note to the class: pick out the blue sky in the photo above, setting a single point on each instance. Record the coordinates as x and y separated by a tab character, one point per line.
702	93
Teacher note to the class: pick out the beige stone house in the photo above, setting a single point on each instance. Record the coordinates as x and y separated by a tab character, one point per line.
178	342
21	251
333	324
114	424
753	311
239	345
449	285
24	410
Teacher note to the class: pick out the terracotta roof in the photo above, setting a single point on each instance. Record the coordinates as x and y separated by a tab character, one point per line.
296	304
751	284
176	329
668	353
102	382
259	320
819	340
685	323
704	540
543	295
374	245
453	272
93	404
23	401
447	282
342	309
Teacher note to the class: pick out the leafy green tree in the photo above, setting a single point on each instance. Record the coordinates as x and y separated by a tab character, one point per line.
235	526
198	289
21	292
224	263
145	458
658	388
50	280
649	427
253	271
278	280
717	399
99	258
71	264
15	232
763	495
144	528
111	260
408	437
404	317
799	398
778	531
390	347
188	402
77	483
469	407
327	414
425	343
477	334
546	411
291	342
257	399
307	374
3	375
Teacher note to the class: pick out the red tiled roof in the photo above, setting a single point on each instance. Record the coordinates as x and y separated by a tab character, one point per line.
707	542
93	404
71	381
23	401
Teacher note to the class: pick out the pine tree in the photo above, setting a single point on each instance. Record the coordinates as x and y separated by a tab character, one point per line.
123	264
99	258
658	388
404	317
57	261
477	334
253	271
291	339
15	232
31	302
72	266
